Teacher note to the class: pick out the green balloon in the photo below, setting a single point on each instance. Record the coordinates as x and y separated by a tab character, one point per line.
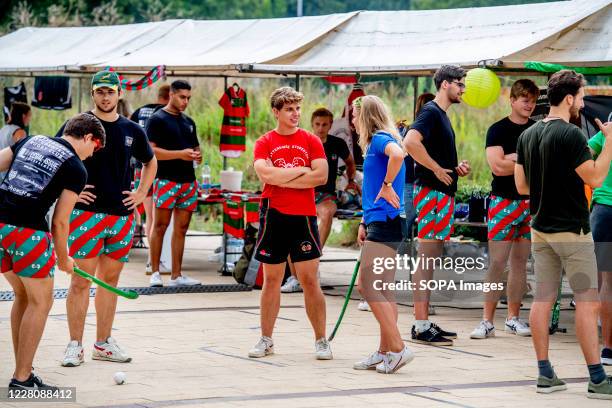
482	88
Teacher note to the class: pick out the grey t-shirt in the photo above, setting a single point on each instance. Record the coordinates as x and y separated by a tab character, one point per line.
6	140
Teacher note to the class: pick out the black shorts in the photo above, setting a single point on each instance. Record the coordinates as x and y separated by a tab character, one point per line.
281	235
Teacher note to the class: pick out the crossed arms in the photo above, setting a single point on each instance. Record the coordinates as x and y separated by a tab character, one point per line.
292	177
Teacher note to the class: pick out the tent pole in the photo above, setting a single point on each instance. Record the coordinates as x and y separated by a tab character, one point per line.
80	94
224	158
297	82
415	90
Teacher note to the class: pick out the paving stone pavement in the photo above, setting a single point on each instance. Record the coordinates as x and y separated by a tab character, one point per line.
190	350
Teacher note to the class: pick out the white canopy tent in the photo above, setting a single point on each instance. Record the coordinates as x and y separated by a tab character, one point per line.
573	32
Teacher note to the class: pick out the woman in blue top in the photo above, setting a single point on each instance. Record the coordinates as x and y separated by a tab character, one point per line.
380	231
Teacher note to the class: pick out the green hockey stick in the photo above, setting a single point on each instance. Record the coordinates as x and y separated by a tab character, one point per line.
346	300
556	311
130	294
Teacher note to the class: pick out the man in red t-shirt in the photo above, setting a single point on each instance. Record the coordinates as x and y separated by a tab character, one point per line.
290	162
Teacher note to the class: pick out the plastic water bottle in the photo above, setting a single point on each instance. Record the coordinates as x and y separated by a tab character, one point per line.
205	180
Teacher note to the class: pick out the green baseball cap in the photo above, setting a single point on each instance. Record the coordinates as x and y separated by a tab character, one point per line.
105	79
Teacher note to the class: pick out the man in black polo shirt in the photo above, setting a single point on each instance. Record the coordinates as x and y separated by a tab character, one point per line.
175	191
142	116
102	223
553	164
431	142
41	171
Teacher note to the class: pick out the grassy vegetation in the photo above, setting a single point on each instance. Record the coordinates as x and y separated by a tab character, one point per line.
470	124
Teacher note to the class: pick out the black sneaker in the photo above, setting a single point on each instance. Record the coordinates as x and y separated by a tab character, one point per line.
32	383
431	336
606	357
444	333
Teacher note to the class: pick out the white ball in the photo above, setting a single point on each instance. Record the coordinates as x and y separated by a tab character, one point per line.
119	377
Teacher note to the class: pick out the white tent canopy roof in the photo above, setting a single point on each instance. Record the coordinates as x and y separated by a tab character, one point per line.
573	32
180	45
413	41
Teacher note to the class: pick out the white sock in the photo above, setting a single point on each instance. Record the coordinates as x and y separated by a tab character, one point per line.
422	325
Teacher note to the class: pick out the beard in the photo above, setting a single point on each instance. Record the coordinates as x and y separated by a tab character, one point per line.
575	112
105	110
456	98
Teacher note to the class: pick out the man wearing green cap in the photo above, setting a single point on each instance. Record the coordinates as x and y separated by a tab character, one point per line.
102	223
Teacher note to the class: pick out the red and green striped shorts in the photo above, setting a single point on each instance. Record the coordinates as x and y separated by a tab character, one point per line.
508	219
27	252
435	213
169	194
93	234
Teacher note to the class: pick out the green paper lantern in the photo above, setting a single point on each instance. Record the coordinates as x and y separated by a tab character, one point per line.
482	88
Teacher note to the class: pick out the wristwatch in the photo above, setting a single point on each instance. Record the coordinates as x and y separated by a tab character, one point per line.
388	183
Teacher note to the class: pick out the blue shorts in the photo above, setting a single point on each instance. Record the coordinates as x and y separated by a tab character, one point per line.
388	232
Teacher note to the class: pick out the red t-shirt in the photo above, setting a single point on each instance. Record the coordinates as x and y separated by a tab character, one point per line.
296	150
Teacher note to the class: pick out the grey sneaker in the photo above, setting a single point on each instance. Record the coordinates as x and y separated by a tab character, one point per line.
110	351
517	326
364	306
547	385
263	348
291	286
73	357
369	363
603	390
483	330
394	361
323	349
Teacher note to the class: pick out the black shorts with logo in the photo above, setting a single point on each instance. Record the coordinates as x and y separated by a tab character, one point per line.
281	235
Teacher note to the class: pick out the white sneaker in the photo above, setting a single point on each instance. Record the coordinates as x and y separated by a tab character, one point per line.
364	306
483	330
110	351
148	268
156	280
394	361
264	347
517	326
369	363
291	286
323	349
183	281
74	355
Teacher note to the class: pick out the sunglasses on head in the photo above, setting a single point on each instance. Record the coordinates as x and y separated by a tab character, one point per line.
98	144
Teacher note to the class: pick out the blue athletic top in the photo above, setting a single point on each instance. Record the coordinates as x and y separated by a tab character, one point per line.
374	171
